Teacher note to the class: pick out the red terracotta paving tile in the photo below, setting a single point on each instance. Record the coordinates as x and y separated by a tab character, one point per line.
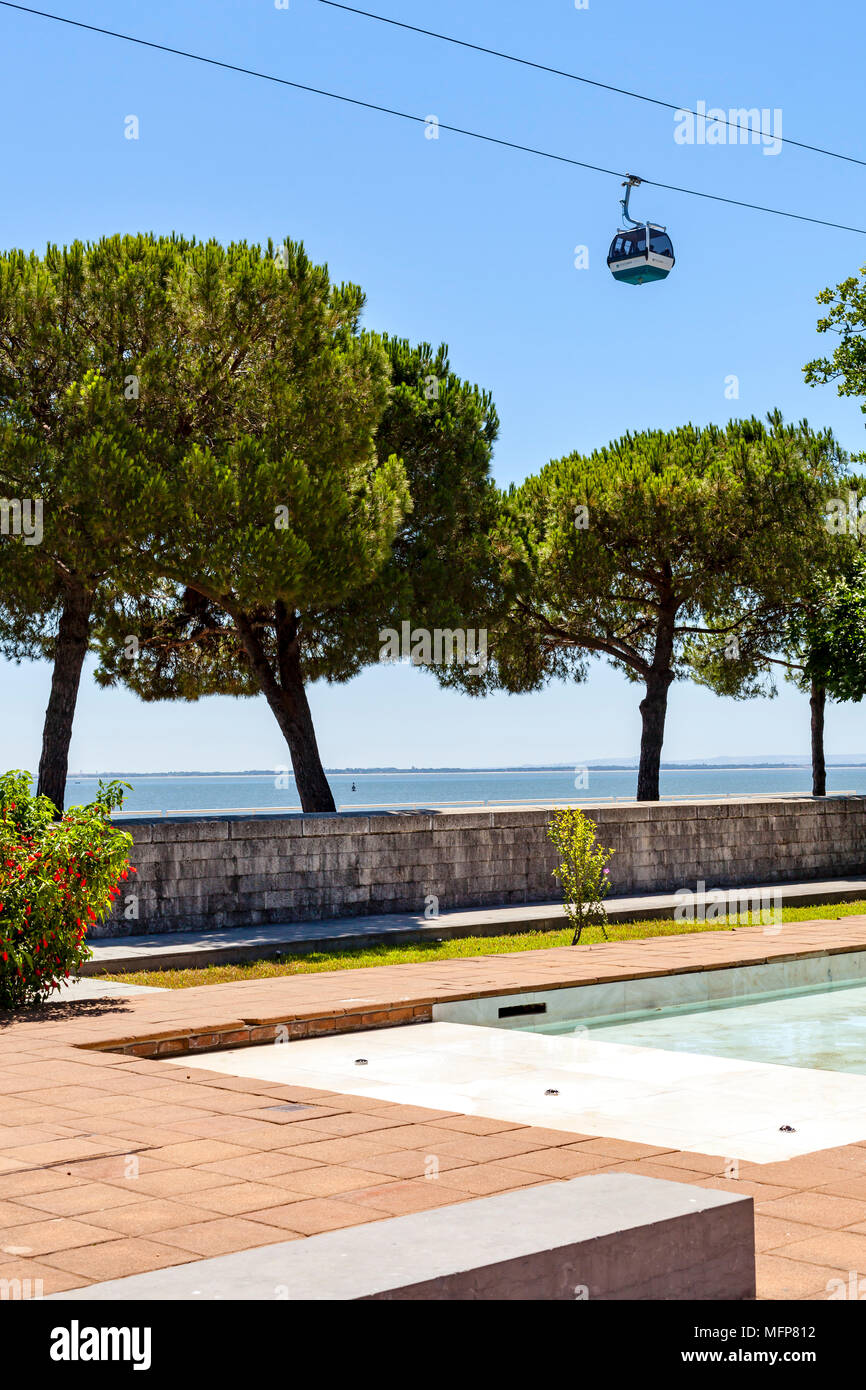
488	1148
852	1186
327	1181
413	1136
657	1168
808	1171
781	1277
77	1098
177	1092
471	1124
194	1151
831	1248
545	1138
66	1150
234	1129
173	1182
620	1148
772	1233
259	1167
349	1124
848	1156
762	1192
483	1179
705	1165
370	1105
36	1280
13	1214
150	1113
317	1214
35	1180
143	1138
119	1168
222	1237
149	1217
563	1162
118	1259
241	1197
277	1138
15	1136
79	1200
815	1208
303	1131
408	1163
414	1194
411	1114
279	1092
44	1237
343	1150
275	1115
211	1100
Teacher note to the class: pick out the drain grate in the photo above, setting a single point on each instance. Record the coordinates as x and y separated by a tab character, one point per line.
518	1010
290	1105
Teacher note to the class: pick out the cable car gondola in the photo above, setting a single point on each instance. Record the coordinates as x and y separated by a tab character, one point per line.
642	251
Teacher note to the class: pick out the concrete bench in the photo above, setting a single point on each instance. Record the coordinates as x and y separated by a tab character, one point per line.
608	1236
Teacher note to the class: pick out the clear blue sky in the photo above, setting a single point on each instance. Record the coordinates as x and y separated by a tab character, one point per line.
460	241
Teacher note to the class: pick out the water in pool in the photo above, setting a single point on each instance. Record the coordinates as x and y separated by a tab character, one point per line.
822	1028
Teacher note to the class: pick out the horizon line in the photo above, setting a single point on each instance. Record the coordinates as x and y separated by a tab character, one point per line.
685	765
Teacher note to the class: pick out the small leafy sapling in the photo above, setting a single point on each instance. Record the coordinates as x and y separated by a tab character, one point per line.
582	871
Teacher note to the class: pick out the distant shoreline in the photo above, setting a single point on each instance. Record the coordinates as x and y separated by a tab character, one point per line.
511	771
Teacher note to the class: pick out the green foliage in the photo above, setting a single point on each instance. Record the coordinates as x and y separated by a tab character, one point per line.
441	571
76	327
231	471
443	429
97	386
678	526
815	635
430	558
640	550
199	420
832	635
56	878
582	871
253	389
376	458
846	319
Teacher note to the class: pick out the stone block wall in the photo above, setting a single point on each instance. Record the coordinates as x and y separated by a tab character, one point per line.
232	871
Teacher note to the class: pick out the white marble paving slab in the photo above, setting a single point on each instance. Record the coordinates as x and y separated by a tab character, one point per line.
715	1105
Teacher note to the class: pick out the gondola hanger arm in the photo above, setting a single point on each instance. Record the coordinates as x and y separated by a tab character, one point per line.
631	181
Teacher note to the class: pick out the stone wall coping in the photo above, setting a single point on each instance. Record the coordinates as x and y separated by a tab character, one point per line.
445	812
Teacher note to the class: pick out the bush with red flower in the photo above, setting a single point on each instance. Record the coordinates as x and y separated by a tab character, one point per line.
57	877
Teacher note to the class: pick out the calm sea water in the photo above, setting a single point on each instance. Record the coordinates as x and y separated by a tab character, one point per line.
362	790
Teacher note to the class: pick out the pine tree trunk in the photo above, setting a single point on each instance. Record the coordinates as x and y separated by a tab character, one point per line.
287	698
654	707
70	649
817	702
